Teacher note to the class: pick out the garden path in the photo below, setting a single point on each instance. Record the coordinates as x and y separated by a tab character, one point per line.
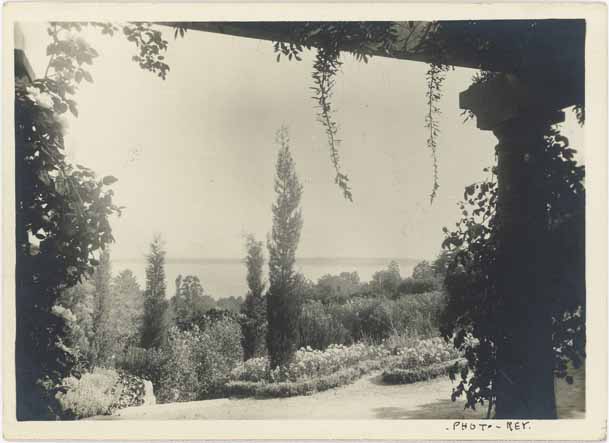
367	398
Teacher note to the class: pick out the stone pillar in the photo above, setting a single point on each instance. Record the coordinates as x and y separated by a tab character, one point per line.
525	381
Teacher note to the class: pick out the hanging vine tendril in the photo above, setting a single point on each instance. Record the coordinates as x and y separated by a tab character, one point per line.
435	77
327	64
337	36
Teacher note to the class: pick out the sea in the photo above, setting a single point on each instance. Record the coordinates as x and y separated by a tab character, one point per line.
225	277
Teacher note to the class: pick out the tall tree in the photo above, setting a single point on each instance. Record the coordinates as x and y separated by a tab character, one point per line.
423	271
253	325
388	280
187	301
102	334
155	304
283	304
127	310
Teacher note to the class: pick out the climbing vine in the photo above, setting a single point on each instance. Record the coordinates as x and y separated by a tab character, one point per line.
435	77
62	210
326	66
330	38
434	39
470	319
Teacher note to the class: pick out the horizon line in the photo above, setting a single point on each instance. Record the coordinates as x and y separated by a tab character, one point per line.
185	259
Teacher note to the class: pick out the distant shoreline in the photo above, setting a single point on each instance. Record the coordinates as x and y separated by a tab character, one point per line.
301	260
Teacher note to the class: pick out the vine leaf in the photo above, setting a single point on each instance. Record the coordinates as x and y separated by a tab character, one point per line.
109	180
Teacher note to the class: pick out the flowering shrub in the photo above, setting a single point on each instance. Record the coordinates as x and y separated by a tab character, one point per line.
132	391
309	363
254	369
397	376
93	394
425	353
100	392
300	387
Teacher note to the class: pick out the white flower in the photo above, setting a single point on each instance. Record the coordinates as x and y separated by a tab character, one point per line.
42	99
33	93
72	34
62	119
45	101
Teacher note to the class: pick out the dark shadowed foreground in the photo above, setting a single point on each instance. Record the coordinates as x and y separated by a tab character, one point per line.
367	398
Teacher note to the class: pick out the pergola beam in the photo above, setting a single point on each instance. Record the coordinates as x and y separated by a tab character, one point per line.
551	60
554	48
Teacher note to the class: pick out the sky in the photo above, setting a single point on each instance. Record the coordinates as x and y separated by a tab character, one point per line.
195	154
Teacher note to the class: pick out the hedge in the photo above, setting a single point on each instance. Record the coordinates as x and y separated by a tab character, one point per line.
396	376
304	387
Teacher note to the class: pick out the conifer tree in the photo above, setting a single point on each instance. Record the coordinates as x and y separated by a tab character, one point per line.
101	334
253	324
283	304
154	296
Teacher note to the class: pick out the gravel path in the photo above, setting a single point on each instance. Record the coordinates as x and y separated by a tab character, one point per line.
367	398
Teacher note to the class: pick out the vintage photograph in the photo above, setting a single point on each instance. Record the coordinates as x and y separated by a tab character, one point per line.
309	220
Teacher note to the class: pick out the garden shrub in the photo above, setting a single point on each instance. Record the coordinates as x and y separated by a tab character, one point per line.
424	353
132	392
94	393
366	318
418	314
398	375
100	392
422	360
318	328
313	370
144	363
371	318
199	361
309	363
416	286
263	389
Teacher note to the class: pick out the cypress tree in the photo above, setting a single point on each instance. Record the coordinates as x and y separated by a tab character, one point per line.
253	324
102	303
155	304
283	304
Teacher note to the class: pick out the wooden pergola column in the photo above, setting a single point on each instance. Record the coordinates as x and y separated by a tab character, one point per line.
520	115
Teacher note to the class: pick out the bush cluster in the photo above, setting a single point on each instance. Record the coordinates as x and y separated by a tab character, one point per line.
94	393
319	326
198	362
309	363
100	392
132	391
421	360
143	363
408	358
263	389
398	375
424	353
411	285
369	318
